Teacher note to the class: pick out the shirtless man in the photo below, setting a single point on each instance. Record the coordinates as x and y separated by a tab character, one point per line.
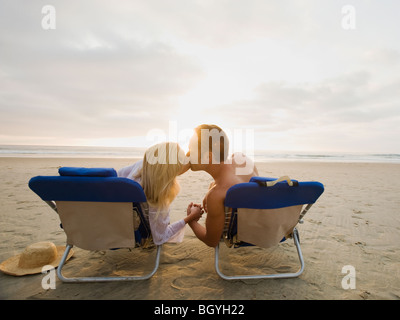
212	158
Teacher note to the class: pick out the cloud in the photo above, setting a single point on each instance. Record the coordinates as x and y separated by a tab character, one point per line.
89	82
334	113
225	23
290	71
382	56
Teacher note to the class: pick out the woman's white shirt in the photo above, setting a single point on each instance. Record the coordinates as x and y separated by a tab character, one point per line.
161	229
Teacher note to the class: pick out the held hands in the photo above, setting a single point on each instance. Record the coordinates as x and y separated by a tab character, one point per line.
194	212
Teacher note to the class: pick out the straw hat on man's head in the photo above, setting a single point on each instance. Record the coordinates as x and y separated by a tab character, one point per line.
34	258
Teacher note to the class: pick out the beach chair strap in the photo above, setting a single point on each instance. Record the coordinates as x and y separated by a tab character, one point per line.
274	182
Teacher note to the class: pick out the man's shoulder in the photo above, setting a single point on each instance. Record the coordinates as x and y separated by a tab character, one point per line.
216	192
216	195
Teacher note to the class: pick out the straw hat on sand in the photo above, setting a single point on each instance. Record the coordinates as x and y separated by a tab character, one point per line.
34	258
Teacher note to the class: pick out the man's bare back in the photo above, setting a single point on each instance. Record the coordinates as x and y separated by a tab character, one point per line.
228	180
213	202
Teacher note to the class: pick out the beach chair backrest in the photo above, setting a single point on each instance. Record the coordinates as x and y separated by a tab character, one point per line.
265	212
96	207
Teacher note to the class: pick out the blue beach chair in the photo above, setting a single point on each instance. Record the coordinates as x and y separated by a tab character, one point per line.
265	212
98	211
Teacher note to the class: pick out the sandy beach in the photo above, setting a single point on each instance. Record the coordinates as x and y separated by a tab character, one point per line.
355	223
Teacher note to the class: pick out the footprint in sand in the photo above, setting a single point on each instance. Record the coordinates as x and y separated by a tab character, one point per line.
193	283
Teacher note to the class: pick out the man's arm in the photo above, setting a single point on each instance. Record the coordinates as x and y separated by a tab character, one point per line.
211	234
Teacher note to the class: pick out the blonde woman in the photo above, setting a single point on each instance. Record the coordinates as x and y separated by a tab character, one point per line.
157	173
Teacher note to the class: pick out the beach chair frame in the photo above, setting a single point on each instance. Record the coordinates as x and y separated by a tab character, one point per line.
284	195
63	278
104	279
80	185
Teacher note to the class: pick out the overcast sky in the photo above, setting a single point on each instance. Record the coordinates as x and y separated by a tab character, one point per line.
291	71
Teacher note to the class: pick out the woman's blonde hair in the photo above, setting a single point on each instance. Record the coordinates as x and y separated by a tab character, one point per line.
162	163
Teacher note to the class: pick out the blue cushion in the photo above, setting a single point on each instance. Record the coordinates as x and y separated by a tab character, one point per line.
98	189
87	172
254	196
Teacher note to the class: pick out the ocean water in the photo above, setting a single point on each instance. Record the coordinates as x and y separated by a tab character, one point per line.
328	157
131	152
69	152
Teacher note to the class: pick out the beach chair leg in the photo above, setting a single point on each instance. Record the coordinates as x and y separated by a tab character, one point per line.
105	279
264	276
